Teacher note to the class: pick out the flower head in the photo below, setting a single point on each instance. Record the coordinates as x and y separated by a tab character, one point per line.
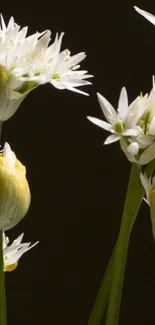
13	252
133	125
14	189
26	62
123	122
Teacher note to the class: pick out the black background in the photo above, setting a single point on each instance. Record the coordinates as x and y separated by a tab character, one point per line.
77	185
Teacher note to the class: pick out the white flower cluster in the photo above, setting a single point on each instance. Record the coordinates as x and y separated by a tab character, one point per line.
134	124
26	62
13	253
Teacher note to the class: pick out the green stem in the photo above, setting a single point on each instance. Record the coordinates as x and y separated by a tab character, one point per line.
133	200
3	317
100	305
2	285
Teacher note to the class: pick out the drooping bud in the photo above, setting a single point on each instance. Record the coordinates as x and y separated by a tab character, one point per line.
14	189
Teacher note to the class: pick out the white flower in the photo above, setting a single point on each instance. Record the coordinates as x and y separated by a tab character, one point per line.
149	186
146	14
26	62
146	140
13	252
122	123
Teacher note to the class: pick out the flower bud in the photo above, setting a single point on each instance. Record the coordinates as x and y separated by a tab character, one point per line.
14	189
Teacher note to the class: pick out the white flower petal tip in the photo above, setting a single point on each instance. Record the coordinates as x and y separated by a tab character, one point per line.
112	138
102	124
13	253
107	109
147	186
123	104
146	15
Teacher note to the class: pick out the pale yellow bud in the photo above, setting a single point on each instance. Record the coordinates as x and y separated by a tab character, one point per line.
14	189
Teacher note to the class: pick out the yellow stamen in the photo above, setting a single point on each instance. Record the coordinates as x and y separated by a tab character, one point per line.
11	267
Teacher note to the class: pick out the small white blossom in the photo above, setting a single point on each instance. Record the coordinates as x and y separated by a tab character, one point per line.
13	253
133	125
122	123
27	62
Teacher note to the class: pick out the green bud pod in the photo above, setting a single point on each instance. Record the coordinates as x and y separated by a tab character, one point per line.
14	189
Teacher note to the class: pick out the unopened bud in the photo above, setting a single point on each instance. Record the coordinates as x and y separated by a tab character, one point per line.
14	189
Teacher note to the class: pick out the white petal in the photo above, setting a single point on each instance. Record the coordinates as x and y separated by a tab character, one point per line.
36	243
133	148
112	138
131	132
144	140
108	110
77	91
146	201
5	240
152	126
11	23
77	58
100	123
146	184
123	104
18	240
146	14
3	23
135	112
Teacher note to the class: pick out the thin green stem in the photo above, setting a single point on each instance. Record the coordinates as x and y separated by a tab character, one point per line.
3	317
99	309
3	320
100	304
133	200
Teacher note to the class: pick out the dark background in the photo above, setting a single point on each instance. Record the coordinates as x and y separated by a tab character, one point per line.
77	185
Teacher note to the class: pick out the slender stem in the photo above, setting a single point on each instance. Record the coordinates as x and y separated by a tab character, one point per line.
132	204
2	284
3	317
101	302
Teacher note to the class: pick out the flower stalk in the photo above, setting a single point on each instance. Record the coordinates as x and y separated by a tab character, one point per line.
3	318
108	300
